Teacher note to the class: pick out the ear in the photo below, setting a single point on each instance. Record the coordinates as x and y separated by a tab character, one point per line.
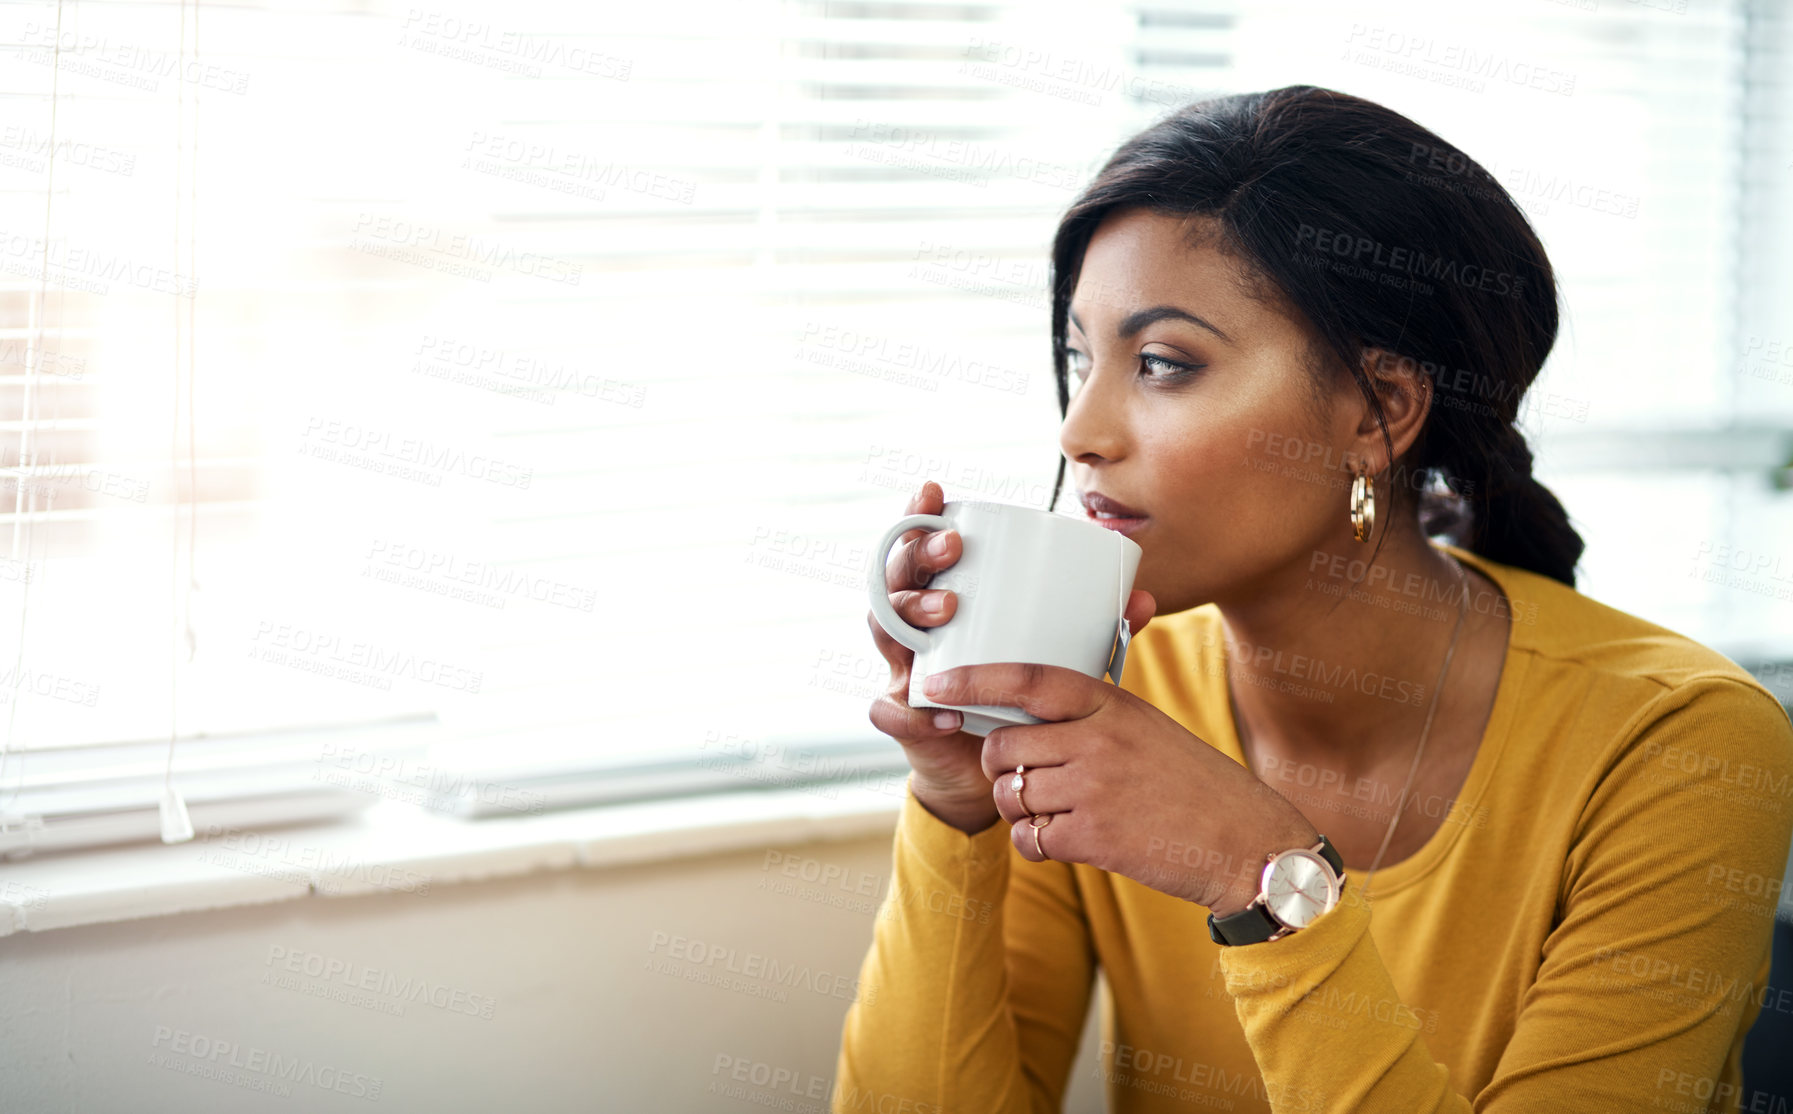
1406	395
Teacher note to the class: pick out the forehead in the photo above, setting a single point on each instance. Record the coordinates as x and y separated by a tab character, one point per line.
1138	259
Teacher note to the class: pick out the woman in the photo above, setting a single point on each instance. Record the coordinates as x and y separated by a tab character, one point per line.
1291	333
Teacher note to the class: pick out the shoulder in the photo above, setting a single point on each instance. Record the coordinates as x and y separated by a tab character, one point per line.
1558	625
1604	679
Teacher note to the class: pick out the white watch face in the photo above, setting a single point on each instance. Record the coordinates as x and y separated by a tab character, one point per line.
1298	887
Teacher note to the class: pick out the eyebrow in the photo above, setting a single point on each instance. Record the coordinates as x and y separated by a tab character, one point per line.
1139	319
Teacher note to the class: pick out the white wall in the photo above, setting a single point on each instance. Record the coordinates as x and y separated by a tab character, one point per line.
578	1022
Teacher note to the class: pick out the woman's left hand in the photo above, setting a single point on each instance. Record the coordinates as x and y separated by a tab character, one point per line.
1129	789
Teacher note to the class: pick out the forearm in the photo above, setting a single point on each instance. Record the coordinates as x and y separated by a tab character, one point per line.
931	1028
1326	1025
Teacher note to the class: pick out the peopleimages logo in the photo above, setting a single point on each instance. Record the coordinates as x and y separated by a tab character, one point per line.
35	149
124	63
450	36
1364	253
426	243
369	446
1449	63
254	1068
1042	69
969	155
376	980
84	268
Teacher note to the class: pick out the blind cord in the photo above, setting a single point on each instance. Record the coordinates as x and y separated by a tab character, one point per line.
22	523
177	824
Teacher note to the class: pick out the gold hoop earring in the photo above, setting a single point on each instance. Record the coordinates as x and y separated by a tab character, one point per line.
1363	506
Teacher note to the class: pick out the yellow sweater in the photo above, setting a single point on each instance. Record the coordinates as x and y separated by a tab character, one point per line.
1587	931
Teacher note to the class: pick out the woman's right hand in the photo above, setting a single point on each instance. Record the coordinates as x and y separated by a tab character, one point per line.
948	763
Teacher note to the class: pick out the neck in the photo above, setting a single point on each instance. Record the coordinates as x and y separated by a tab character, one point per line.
1336	657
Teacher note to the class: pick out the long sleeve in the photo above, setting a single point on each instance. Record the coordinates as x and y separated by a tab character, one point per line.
973	995
1658	956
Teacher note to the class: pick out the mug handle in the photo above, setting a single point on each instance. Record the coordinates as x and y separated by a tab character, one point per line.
913	637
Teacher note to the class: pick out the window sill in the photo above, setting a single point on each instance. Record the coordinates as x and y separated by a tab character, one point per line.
398	848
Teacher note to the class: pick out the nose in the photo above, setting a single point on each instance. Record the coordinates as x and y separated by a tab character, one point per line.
1095	428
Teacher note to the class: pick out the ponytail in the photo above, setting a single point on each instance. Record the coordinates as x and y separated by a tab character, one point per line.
1517	521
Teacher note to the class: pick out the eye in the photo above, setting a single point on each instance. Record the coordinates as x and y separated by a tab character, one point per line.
1166	370
1076	371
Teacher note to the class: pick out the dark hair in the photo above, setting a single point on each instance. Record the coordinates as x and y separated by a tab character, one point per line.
1381	235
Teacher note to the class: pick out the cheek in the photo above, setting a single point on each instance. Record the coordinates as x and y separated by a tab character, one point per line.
1285	461
1242	492
1259	467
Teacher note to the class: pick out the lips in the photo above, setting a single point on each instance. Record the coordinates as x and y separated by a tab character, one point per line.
1101	506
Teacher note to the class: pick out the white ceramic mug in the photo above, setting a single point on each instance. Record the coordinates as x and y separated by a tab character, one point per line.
1032	586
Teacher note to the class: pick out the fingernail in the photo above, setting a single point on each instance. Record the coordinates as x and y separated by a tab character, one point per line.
937	545
944	720
933	685
933	604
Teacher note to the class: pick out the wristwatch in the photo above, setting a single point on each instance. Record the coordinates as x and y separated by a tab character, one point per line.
1297	886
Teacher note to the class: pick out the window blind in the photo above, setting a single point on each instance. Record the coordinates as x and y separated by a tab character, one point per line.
554	367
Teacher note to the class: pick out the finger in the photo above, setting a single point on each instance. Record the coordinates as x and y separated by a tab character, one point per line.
1043	789
1141	606
1048	692
918	559
913	608
1023	744
894	717
928	500
1061	838
927	608
902	573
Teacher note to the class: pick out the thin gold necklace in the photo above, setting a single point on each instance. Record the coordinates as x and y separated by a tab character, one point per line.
1425	732
1437	687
